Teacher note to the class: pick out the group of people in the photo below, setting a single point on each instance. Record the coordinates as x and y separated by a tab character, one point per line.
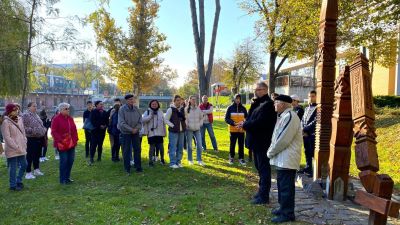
25	142
186	121
273	130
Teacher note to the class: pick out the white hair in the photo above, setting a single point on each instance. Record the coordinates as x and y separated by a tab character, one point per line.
63	105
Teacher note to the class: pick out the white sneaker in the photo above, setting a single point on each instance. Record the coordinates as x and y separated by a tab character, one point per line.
174	166
41	159
155	158
201	163
132	162
29	176
46	159
231	161
57	157
180	165
190	163
242	162
37	172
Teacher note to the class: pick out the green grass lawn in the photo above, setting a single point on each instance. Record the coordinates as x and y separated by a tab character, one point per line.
216	194
103	194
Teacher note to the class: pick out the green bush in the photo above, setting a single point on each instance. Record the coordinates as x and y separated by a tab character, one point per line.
390	101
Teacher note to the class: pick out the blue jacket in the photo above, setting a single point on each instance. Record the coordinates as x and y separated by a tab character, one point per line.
113	129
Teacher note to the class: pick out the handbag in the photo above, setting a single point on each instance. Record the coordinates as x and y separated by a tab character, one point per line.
67	143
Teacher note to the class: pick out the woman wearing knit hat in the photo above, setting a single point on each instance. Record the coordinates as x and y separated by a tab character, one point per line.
14	137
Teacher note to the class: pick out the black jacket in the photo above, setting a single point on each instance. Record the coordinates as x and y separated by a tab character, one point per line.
299	110
260	124
234	108
98	118
309	119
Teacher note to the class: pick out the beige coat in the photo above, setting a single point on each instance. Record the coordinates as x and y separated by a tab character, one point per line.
14	137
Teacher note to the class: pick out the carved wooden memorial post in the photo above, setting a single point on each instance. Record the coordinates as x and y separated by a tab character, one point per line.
341	139
325	84
379	187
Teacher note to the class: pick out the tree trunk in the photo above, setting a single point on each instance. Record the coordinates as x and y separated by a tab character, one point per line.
272	60
28	56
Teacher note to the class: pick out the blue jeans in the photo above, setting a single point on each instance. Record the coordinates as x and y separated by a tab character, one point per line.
129	142
210	131
175	147
286	191
66	161
13	164
197	135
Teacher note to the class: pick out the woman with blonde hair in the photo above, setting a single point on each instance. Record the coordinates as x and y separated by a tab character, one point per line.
194	121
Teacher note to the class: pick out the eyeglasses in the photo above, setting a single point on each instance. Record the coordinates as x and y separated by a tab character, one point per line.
66	109
259	89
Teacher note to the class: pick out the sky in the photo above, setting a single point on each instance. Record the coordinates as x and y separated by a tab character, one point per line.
174	20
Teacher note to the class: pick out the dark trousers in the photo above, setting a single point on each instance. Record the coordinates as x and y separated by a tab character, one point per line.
130	141
286	191
34	150
66	161
309	145
44	148
156	150
88	139
115	148
261	162
97	142
240	138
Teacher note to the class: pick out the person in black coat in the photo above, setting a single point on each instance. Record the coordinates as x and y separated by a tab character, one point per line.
235	116
88	131
99	119
308	123
259	127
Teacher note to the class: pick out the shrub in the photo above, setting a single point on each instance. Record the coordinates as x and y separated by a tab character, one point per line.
390	101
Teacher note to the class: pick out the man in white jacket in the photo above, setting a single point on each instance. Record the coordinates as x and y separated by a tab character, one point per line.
285	154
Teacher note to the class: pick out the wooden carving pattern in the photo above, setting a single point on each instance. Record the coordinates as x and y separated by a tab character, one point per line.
341	138
325	84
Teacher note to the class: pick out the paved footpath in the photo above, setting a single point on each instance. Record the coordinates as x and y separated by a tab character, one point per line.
323	211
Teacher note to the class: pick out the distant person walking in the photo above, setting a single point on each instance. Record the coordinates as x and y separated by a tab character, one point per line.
297	107
207	109
259	127
285	154
65	135
15	143
99	120
87	127
194	121
308	124
175	119
235	117
130	123
46	123
154	128
35	132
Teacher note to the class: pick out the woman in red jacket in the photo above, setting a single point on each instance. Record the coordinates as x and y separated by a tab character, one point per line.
65	135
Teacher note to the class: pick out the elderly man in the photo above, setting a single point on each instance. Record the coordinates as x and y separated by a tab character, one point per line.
130	123
285	154
296	107
259	127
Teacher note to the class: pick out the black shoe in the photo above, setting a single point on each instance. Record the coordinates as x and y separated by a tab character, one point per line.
259	201
139	170
162	162
15	188
21	185
276	212
151	163
69	181
98	159
281	219
117	159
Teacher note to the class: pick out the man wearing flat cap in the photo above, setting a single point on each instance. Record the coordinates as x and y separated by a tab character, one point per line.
130	123
285	154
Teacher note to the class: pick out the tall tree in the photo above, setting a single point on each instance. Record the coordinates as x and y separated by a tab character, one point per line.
245	66
198	26
12	43
133	56
289	27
